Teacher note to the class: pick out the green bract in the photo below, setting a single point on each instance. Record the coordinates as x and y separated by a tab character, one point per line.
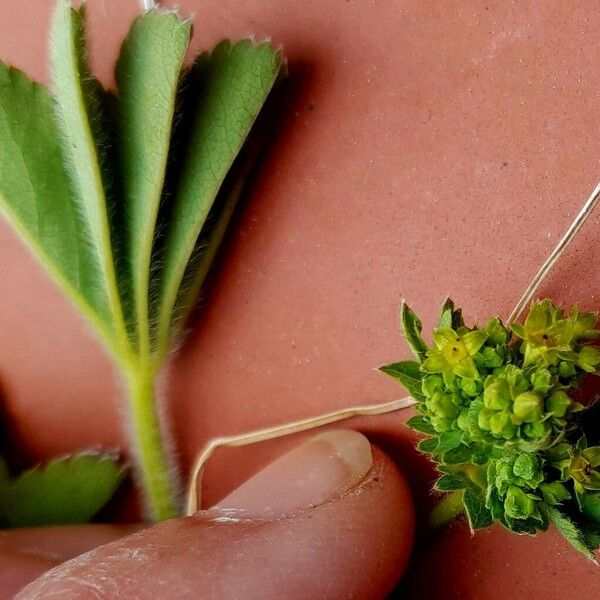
497	406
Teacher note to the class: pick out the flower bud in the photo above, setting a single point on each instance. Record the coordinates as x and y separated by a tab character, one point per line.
541	380
432	384
483	418
501	424
496	394
528	467
558	404
442	404
518	504
527	407
440	423
442	411
463	420
470	387
589	358
504	477
566	369
489	358
537	430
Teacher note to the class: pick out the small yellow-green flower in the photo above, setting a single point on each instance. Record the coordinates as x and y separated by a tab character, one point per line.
549	336
453	352
583	469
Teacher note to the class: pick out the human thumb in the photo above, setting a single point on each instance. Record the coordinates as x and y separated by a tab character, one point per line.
331	519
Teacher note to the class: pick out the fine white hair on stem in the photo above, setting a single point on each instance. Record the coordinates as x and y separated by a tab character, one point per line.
148	4
533	287
271	433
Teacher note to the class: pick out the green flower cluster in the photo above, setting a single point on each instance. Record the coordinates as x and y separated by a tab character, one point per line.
497	406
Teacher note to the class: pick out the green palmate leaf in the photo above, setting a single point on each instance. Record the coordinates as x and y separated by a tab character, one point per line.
147	74
84	176
478	515
408	373
230	85
78	103
70	490
570	532
37	198
412	327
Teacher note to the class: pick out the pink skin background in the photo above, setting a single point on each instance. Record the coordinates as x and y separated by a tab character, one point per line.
426	149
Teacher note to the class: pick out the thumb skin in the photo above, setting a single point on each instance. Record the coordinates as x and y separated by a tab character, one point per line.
331	519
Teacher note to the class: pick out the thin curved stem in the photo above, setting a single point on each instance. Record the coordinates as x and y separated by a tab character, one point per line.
536	282
271	433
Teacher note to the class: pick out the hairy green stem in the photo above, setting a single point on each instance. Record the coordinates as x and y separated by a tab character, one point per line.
157	478
447	509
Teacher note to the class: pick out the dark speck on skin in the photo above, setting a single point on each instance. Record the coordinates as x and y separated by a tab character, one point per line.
504	165
311	106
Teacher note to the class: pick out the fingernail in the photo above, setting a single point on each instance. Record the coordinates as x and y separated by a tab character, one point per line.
322	468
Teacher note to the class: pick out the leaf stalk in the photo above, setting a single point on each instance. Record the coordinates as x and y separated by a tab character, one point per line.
447	509
154	465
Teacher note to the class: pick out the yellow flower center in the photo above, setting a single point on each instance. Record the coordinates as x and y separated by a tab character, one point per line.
580	469
454	352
